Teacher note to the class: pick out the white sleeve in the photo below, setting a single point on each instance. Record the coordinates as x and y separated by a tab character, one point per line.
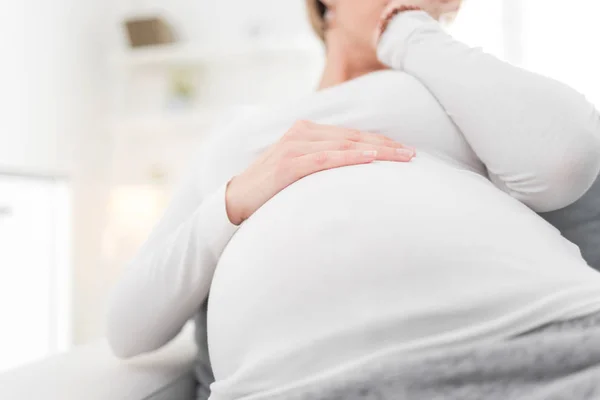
170	277
539	139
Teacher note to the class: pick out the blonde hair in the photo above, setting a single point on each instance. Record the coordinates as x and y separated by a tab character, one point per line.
316	14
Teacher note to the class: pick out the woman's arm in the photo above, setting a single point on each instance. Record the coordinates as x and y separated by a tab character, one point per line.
169	278
539	139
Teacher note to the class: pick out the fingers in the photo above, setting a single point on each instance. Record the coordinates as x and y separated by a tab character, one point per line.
393	6
336	133
328	159
324	160
384	153
388	11
394	154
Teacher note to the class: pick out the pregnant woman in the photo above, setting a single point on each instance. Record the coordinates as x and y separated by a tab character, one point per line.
342	264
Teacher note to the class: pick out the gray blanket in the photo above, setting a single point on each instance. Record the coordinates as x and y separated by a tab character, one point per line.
558	361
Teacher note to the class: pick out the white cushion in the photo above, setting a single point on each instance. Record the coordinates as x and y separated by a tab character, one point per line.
92	373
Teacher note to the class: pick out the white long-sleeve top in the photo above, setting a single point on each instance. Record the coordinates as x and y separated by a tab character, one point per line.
358	261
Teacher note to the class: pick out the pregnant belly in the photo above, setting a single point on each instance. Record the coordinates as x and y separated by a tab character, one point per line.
338	258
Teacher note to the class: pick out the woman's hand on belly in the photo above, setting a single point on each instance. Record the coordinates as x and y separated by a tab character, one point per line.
305	149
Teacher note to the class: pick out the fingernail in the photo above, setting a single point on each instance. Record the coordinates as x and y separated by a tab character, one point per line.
370	153
405	152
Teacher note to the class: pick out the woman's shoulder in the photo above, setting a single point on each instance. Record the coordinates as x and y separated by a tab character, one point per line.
238	131
244	133
252	129
234	142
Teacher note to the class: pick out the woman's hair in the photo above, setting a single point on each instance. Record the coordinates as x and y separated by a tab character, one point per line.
316	13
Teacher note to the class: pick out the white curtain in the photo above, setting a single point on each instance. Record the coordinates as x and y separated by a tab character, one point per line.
560	39
555	38
480	23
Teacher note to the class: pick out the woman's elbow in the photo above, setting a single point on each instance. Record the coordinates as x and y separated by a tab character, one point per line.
125	321
121	349
136	325
120	340
561	181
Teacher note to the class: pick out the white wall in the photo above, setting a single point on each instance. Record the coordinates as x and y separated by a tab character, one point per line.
53	108
50	76
26	87
85	78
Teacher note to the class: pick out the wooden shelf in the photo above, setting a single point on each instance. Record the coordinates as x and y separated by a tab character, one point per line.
180	55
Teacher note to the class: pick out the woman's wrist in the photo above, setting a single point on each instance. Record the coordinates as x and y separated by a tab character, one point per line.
233	210
389	14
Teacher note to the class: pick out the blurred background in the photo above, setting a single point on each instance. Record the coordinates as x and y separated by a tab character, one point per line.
104	103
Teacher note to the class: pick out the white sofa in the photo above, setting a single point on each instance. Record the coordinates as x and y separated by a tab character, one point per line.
92	373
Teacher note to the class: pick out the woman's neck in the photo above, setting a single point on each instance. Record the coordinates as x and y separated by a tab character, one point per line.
346	62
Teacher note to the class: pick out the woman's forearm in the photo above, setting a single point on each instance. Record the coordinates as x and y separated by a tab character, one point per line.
539	139
170	277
